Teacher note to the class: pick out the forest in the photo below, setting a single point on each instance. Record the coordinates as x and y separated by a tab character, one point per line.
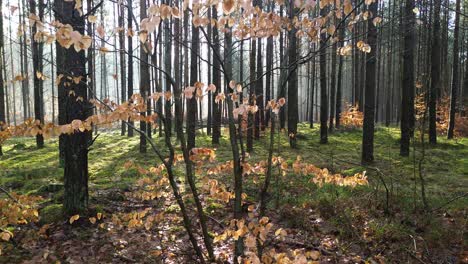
234	131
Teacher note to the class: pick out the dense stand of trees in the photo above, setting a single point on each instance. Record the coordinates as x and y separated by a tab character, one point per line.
391	53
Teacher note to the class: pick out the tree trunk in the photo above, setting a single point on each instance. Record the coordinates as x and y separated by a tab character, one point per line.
339	85
369	104
73	64
323	83
123	91
192	102
408	89
453	96
2	65
217	82
37	49
130	63
145	82
435	73
292	82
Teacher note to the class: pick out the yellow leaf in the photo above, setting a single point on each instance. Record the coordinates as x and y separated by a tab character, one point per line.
74	218
92	220
6	236
99	216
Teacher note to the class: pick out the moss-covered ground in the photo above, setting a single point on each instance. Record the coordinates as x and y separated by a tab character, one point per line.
444	169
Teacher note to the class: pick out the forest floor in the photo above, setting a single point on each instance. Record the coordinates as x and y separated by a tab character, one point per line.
337	224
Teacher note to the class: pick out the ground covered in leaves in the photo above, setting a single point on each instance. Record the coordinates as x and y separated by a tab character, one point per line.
385	222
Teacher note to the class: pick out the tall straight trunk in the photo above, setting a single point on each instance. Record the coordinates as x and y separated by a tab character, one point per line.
2	65
24	65
332	86
408	89
259	95
12	71
37	49
268	76
281	89
145	82
130	62
389	90
216	81
293	114
7	93
73	64
168	69
116	63
323	83
210	102
192	103
453	96
435	73
339	82
250	118
123	91
369	104
444	60
312	92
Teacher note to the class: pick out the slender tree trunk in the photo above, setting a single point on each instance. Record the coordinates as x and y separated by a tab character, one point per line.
123	91
408	89
250	118
339	85
217	82
453	96
36	49
292	82
145	82
192	103
323	83
369	104
130	62
435	73
168	68
312	92
2	86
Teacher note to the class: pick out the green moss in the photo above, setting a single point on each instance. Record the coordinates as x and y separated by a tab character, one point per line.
51	214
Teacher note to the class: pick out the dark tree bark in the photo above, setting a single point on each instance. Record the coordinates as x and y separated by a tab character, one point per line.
217	82
259	96
389	90
168	69
209	120
312	92
292	82
2	65
369	104
130	63
37	50
250	117
339	84
145	82
455	79
332	87
24	66
435	73
123	91
73	64
269	67
323	83
408	89
192	103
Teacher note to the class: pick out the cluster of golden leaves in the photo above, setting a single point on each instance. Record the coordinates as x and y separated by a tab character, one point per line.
324	176
443	116
443	119
19	212
110	113
351	117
